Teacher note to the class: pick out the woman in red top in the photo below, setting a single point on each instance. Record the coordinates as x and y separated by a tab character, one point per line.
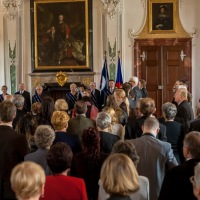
60	185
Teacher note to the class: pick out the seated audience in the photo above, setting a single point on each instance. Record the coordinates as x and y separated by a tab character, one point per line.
176	184
119	177
195	180
126	147
27	181
174	130
87	165
59	122
44	137
107	139
115	128
60	185
27	125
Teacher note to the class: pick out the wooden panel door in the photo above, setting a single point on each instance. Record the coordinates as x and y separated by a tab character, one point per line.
160	64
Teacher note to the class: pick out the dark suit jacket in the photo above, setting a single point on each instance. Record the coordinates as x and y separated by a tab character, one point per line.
195	125
107	140
175	135
27	100
155	158
133	129
72	99
39	157
96	98
13	148
77	124
137	92
176	184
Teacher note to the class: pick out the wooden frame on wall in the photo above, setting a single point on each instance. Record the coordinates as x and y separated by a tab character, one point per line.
162	16
61	35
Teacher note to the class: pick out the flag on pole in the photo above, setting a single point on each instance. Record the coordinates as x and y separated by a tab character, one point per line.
119	79
104	77
104	83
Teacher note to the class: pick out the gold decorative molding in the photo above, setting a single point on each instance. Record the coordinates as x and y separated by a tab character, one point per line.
61	78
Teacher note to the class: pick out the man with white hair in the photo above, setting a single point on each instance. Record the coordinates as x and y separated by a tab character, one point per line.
134	84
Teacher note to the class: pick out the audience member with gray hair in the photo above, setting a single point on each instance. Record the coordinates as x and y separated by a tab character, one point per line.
44	137
18	100
127	147
195	180
107	140
176	184
174	130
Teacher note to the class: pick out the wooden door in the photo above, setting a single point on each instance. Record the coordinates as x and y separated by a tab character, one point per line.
160	64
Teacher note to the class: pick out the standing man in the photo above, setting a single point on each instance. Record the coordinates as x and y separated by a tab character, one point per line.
176	184
134	84
13	148
95	95
27	97
155	156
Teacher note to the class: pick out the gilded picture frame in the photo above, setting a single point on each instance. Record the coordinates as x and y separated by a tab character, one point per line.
162	16
61	35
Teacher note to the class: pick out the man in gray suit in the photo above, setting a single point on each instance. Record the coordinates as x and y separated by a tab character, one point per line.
155	156
77	124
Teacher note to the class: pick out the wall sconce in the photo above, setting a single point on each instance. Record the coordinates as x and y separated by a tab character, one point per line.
12	7
112	7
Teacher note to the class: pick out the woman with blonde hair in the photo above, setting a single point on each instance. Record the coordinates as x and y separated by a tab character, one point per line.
27	181
115	128
61	105
59	121
119	177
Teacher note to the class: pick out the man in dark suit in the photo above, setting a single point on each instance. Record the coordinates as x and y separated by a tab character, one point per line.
77	124
155	156
27	97
194	125
107	140
133	129
95	95
184	109
13	148
176	184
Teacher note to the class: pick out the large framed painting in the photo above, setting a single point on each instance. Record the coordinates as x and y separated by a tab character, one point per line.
162	16
61	35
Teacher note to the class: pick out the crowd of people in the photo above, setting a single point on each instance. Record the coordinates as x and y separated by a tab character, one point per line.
77	149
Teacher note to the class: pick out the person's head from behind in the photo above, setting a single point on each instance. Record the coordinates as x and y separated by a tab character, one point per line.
39	89
119	175
151	125
7	111
44	136
27	180
80	107
103	121
61	105
91	141
169	111
36	108
47	107
59	158
126	147
18	101
195	180
87	100
142	83
147	106
191	145
119	95
59	120
112	114
8	97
